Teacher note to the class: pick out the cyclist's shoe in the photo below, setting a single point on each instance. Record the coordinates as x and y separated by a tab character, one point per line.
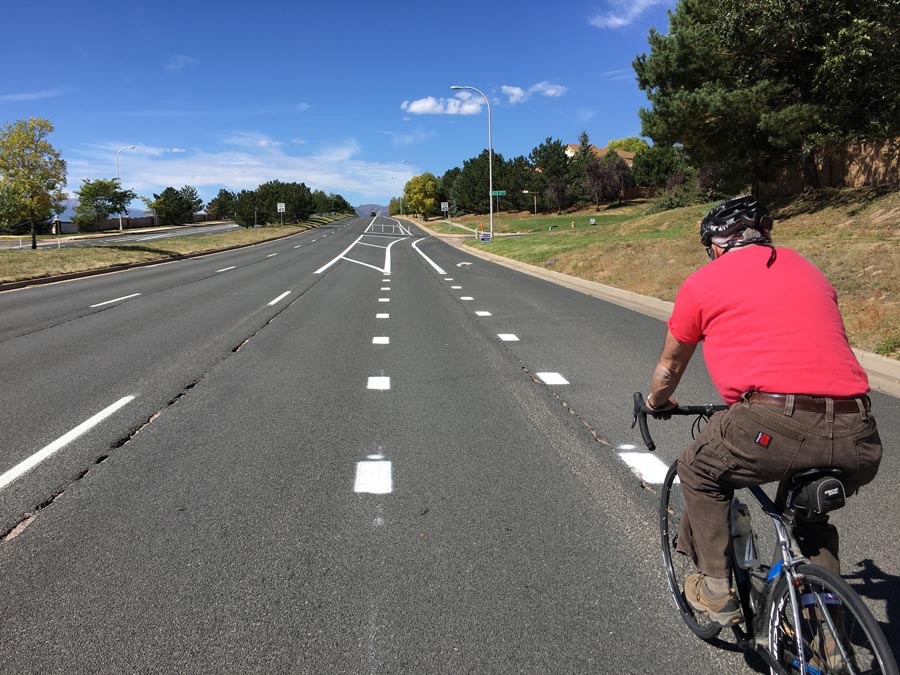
723	609
826	654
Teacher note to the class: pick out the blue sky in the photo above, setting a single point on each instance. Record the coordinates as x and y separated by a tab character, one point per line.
347	97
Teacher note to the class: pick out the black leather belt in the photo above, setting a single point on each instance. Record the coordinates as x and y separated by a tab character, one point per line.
810	403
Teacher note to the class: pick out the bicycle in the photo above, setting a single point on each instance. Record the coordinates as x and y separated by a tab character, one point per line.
800	618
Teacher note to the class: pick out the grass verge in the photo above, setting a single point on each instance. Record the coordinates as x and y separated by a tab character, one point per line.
21	265
852	235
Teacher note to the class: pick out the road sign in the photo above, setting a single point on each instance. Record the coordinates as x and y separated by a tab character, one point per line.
499	193
280	207
445	206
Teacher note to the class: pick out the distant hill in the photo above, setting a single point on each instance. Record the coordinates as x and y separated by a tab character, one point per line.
366	209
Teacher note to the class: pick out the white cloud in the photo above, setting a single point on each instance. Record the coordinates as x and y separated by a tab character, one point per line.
545	88
409	138
516	94
585	114
178	62
463	103
26	96
252	139
334	167
624	12
177	150
221	111
619	74
298	141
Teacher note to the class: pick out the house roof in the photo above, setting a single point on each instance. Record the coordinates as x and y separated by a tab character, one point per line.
572	148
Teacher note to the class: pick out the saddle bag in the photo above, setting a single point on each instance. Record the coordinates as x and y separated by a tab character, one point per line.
817	497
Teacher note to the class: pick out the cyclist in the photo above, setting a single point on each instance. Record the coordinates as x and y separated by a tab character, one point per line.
776	349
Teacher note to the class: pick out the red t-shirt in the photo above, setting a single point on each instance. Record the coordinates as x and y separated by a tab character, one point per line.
776	329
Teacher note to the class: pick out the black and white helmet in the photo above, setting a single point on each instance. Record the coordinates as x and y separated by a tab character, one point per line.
733	217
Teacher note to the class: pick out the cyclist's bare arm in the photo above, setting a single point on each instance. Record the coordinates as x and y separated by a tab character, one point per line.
671	366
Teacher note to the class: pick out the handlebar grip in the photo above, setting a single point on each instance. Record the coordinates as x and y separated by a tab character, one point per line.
640	414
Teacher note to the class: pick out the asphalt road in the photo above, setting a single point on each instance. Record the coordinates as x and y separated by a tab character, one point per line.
114	238
341	456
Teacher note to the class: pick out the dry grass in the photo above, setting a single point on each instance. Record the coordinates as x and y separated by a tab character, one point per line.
18	265
852	235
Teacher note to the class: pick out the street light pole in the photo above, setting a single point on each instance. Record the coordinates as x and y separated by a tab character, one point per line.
490	154
127	147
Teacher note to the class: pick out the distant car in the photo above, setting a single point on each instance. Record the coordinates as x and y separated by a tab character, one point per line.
373	214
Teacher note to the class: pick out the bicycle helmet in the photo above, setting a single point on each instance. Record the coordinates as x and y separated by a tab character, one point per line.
735	216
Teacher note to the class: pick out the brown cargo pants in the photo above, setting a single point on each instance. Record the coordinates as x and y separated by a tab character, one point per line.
753	443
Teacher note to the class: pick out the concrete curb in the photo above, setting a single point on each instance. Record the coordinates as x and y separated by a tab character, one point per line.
884	373
40	281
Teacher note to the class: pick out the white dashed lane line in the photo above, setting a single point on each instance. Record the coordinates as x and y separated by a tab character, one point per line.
456	288
107	302
381	340
467	297
382	316
448	279
380	382
279	298
645	465
384	299
271	255
507	337
298	245
373	476
482	313
385	288
551	378
45	452
225	269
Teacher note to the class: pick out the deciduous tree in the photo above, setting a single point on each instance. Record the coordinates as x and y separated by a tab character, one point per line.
98	199
32	175
420	194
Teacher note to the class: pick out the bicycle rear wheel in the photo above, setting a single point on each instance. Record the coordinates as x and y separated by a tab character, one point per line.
678	566
839	633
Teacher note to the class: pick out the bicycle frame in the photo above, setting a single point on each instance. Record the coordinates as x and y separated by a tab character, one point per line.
785	562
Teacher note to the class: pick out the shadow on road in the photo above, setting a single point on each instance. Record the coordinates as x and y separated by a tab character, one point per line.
873	583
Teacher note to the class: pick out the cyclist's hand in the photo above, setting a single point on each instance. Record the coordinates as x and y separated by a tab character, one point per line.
660	412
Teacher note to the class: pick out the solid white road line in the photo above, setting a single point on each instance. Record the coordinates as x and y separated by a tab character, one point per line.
383	316
647	466
467	297
379	382
552	378
225	269
381	340
60	442
507	337
124	297
271	255
482	313
373	477
279	298
427	259
339	256
387	257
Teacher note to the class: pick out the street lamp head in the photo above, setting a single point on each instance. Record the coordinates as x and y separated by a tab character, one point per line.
456	86
131	147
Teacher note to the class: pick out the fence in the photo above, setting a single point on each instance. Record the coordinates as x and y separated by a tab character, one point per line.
862	164
129	223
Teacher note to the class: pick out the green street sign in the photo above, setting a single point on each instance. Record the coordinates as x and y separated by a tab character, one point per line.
498	193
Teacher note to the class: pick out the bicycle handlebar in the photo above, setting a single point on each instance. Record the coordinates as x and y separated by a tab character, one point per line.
641	411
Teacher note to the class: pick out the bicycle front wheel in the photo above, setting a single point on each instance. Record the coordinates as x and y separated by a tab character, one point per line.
837	630
678	566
